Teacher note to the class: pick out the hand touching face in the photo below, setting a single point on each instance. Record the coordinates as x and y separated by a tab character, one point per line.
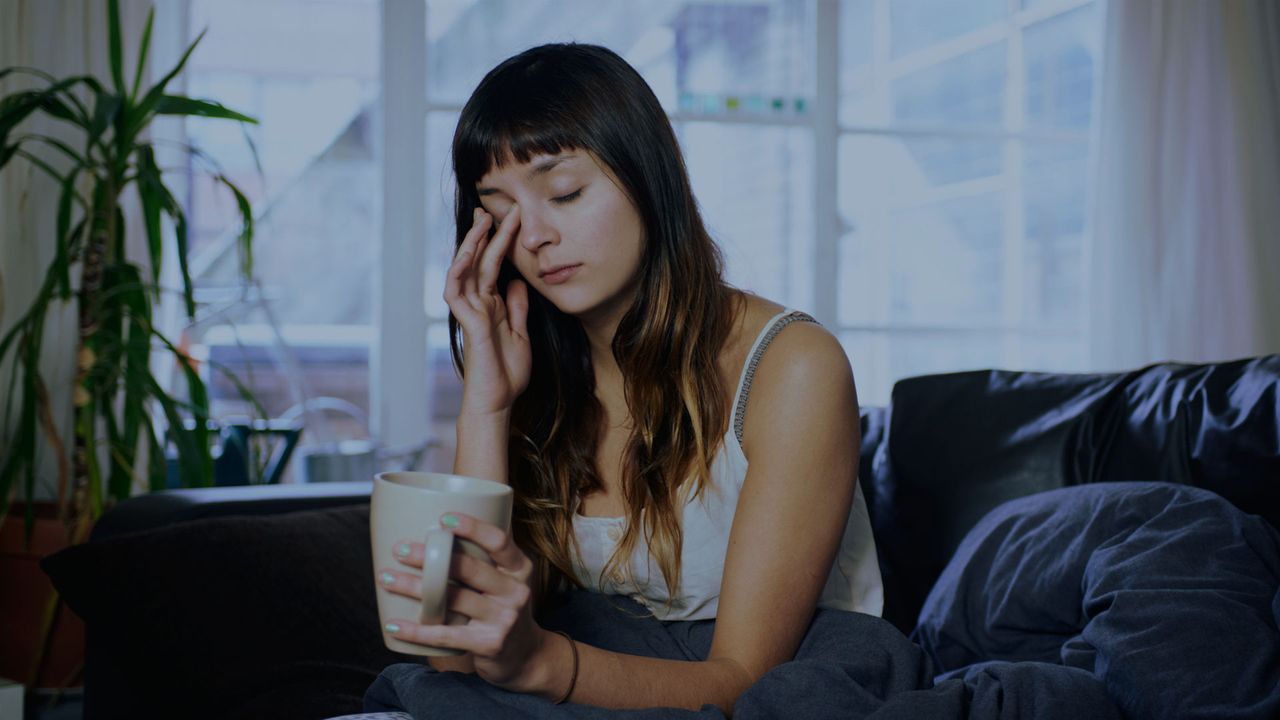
580	242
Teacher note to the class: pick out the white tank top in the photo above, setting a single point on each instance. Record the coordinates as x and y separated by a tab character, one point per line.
854	581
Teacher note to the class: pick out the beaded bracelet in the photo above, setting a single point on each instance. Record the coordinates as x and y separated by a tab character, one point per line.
573	679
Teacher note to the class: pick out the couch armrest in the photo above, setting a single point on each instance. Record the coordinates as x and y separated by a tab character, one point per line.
169	507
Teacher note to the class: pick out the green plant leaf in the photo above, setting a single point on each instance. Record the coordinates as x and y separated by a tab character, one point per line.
199	407
143	49
137	356
245	239
73	240
139	113
150	194
158	469
179	105
150	174
180	236
39	164
194	460
57	144
115	45
104	114
61	260
118	237
54	106
16	107
119	457
6	154
245	393
20	460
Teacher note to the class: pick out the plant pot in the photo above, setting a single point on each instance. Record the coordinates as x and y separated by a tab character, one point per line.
25	597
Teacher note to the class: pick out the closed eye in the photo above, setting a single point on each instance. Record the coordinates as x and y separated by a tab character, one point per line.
567	198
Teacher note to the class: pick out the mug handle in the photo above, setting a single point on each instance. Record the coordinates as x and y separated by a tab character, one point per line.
436	560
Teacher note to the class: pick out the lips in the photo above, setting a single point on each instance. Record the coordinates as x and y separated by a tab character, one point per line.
559	273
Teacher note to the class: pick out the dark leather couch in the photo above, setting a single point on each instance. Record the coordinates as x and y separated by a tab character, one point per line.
257	601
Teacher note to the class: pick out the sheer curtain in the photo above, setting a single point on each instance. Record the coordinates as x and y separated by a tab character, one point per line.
61	37
1185	258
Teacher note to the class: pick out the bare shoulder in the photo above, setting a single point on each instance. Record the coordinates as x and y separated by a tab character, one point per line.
804	356
803	379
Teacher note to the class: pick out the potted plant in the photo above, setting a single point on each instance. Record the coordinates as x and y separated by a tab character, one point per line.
115	437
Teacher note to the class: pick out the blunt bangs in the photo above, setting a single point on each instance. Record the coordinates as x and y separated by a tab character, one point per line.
522	110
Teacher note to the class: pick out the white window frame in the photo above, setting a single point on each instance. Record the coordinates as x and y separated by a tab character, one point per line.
399	394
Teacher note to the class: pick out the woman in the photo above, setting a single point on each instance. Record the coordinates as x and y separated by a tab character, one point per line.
622	388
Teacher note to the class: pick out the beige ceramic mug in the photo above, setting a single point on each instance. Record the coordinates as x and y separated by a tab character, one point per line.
408	506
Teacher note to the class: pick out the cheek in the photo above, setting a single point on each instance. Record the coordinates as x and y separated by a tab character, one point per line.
524	263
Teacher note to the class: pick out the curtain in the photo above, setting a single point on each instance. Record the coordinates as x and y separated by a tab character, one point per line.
61	37
1185	250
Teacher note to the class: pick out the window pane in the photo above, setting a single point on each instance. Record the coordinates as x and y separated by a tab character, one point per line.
916	24
880	178
880	359
1060	55
748	53
965	91
440	226
1054	178
946	262
861	101
936	264
1053	353
316	198
693	51
446	397
879	170
857	34
754	185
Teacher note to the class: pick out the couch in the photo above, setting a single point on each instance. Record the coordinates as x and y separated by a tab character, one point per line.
259	601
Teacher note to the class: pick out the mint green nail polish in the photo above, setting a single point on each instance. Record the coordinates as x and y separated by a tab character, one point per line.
449	520
403	550
388	579
392	628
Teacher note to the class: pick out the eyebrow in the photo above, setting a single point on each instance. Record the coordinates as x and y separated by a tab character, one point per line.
541	168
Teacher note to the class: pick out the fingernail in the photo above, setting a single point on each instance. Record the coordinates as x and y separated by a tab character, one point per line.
403	550
449	520
388	579
392	628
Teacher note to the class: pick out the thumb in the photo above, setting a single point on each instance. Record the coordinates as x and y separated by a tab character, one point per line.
518	307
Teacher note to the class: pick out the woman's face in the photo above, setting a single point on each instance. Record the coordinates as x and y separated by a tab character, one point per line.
580	241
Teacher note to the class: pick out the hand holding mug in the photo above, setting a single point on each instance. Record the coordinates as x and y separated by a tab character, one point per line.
496	597
409	505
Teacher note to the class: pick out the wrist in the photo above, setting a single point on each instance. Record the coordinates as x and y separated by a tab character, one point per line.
550	666
481	418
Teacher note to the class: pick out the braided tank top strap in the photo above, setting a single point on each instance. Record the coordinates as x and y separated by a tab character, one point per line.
749	373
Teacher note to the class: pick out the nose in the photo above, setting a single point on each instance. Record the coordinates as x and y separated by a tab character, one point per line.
536	230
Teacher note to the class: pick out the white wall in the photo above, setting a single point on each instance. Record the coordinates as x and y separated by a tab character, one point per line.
61	37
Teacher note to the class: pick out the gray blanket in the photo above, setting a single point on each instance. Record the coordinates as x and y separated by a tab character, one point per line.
1138	600
849	666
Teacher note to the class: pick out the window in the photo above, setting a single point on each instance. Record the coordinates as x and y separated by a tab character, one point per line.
961	136
963	142
927	202
314	185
